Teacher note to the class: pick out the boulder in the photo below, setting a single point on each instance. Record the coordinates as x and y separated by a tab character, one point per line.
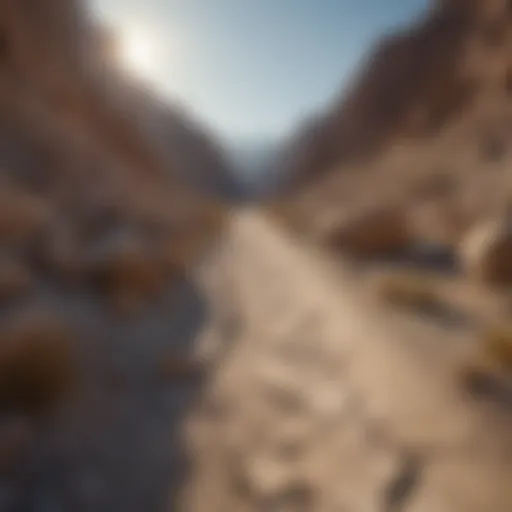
486	252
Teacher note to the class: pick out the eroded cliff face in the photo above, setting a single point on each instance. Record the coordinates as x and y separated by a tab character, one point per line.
97	235
61	132
431	104
413	84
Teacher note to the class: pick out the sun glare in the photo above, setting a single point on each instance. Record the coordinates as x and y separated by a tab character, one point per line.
139	53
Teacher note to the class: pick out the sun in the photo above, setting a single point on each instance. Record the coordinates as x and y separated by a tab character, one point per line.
138	52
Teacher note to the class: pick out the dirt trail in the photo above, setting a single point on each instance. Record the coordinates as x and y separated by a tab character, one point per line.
328	403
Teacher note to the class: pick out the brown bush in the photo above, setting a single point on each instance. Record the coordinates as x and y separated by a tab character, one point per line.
36	366
126	266
373	232
409	290
489	368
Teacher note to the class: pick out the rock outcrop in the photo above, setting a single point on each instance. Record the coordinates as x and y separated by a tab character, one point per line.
65	145
486	252
430	101
411	84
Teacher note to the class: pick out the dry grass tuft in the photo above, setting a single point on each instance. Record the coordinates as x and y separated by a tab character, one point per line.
36	365
488	370
409	290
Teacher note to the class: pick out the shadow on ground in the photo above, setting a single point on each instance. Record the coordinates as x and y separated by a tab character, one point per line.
119	446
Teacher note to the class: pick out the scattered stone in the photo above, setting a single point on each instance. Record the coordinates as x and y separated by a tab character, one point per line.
486	252
402	486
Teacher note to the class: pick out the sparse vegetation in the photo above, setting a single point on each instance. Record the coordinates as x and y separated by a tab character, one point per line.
36	365
488	370
410	290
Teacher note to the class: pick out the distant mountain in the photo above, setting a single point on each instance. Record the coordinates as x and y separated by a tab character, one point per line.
256	161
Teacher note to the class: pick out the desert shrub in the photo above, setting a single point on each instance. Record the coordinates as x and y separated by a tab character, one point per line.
376	231
36	366
409	290
126	268
488	369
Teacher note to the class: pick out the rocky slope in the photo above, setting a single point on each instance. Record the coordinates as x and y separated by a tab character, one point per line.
190	151
96	238
430	104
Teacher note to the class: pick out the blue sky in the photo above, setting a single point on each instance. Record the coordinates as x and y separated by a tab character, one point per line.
254	68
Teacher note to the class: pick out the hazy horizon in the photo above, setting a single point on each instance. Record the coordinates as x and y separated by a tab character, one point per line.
251	69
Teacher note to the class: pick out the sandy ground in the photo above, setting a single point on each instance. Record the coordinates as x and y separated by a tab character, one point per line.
330	402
